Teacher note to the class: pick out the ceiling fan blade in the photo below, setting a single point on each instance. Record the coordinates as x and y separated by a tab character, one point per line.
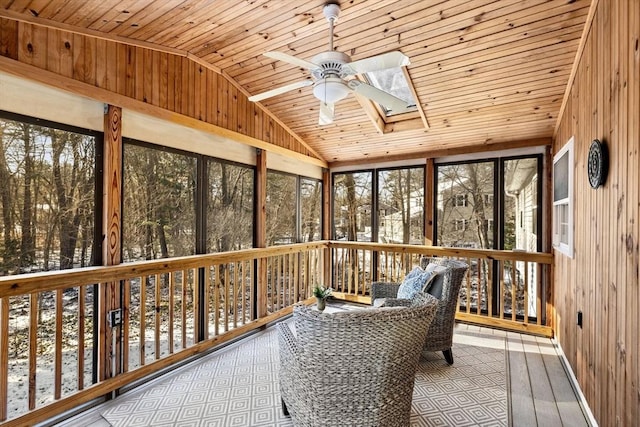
291	60
378	62
383	98
326	113
280	90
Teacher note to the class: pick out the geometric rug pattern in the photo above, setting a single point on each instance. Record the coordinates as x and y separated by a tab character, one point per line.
238	386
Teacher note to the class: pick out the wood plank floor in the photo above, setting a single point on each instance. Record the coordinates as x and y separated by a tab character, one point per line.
539	390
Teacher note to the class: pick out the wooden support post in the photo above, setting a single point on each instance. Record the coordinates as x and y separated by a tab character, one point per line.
327	260
109	363
547	218
261	230
429	201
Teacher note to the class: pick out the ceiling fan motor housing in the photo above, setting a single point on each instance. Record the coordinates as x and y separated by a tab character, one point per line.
330	64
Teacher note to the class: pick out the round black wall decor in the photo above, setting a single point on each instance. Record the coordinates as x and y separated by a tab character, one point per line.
597	164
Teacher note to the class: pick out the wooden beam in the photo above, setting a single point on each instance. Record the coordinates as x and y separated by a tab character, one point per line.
269	113
429	201
261	230
442	152
423	116
528	328
51	79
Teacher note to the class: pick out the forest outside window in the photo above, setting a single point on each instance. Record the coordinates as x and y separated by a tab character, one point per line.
159	210
294	209
48	192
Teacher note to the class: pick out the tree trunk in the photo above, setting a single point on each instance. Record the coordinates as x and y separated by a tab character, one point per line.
352	208
10	245
27	246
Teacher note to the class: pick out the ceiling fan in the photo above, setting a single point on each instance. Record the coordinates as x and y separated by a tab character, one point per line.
330	71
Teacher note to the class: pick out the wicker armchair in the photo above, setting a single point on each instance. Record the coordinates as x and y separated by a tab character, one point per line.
440	332
352	368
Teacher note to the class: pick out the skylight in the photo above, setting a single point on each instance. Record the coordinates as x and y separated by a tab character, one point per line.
393	80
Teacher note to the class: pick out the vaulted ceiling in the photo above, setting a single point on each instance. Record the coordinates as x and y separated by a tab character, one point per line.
485	71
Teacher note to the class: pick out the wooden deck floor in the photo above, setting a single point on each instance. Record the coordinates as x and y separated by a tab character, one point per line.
538	390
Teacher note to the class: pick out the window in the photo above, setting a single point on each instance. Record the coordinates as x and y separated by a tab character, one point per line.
488	226
352	206
460	224
400	196
563	199
230	206
393	81
281	208
159	209
47	196
460	200
310	209
488	199
460	189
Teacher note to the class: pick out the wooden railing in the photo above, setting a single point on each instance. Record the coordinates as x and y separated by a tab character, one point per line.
52	358
53	355
501	288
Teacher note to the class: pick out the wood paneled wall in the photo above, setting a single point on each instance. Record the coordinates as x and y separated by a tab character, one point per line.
602	278
175	83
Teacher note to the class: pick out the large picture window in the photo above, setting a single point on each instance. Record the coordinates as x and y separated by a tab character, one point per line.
48	196
401	206
310	209
230	207
159	212
281	208
352	206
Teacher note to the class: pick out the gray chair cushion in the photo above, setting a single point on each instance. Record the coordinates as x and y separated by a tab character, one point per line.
436	283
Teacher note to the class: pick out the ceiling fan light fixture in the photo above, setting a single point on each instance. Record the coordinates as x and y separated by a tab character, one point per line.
330	90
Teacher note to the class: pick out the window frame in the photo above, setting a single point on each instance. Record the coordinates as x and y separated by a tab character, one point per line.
567	248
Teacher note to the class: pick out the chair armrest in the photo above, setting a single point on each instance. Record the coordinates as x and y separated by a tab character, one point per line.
397	302
288	343
384	290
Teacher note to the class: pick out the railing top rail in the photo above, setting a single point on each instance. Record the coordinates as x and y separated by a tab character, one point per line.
61	279
491	254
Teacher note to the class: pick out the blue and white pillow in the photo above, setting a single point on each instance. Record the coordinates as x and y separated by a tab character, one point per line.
413	283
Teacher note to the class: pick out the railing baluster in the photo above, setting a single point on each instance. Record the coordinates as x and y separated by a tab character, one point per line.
195	297
4	357
205	303
142	347
490	265
183	307
57	371
33	347
226	297
234	287
157	316
249	286
514	290
172	278
126	312
526	292
538	294
480	286
468	303
80	349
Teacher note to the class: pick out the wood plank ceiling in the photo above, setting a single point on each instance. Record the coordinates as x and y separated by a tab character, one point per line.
484	71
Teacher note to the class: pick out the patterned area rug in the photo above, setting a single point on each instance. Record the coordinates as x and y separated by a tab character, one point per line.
238	386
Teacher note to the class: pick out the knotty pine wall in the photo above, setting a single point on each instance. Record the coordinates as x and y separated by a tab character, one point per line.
165	80
602	278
